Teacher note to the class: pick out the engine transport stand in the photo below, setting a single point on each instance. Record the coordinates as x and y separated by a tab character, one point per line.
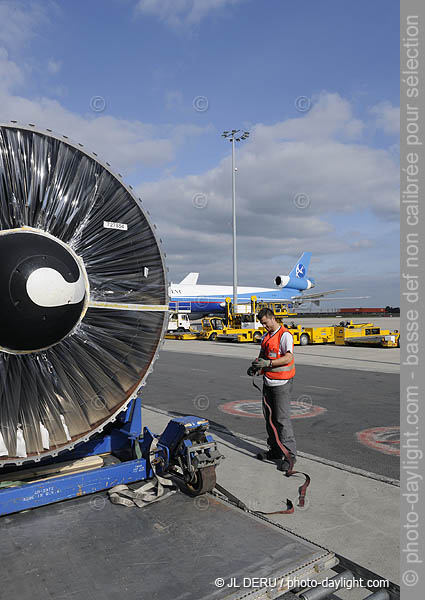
184	447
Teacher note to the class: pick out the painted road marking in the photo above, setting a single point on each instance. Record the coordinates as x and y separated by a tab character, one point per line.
253	408
383	439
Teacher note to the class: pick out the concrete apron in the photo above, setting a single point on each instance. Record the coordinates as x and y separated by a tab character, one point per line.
351	514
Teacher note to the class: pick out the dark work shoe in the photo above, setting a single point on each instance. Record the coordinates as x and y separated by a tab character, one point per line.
284	464
270	455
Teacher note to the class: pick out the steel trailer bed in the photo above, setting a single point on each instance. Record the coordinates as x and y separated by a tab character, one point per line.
173	550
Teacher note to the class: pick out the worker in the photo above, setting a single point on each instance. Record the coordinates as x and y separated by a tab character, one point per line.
276	363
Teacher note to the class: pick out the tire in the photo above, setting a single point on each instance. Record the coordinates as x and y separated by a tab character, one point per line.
180	329
257	337
213	336
304	339
204	481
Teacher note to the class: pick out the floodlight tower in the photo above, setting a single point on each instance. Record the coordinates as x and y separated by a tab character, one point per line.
236	135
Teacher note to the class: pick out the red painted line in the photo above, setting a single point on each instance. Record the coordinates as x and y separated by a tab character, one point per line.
254	410
381	439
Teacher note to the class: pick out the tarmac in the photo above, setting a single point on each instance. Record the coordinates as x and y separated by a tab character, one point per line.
351	513
346	415
382	360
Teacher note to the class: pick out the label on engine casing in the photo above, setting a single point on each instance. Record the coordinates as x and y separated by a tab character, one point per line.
112	225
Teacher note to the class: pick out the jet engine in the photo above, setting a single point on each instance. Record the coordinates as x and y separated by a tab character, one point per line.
297	283
281	281
83	294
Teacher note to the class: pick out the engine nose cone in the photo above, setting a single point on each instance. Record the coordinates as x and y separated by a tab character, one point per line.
45	290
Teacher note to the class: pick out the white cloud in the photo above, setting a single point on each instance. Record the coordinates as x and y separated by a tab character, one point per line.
330	117
19	21
311	155
387	117
127	145
182	13
10	73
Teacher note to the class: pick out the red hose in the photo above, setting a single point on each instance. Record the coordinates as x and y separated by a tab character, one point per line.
303	488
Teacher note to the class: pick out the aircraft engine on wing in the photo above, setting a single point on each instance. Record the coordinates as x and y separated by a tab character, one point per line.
298	283
281	281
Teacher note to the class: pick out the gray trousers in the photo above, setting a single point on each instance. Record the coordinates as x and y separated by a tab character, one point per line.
278	398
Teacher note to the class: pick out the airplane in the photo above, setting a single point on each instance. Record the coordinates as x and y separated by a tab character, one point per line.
188	296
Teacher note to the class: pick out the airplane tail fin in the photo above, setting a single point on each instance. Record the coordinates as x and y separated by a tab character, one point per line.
301	267
190	279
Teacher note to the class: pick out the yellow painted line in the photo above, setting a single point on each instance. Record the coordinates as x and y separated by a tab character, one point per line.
120	306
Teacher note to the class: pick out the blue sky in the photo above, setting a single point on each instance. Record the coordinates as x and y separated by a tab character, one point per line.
148	61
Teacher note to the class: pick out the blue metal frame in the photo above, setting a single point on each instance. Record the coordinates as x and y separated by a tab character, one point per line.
32	495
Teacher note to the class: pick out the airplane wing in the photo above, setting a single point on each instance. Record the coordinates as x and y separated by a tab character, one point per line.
191	279
320	297
315	295
343	298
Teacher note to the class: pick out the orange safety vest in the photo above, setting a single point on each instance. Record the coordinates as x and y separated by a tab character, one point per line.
270	347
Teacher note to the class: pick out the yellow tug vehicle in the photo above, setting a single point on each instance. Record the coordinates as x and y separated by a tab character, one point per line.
359	334
311	335
240	325
302	335
211	328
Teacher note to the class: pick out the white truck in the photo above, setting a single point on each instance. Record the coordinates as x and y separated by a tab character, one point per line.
178	322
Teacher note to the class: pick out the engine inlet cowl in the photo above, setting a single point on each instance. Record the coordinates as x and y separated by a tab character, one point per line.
281	280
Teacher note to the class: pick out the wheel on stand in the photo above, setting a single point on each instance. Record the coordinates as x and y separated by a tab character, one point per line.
204	481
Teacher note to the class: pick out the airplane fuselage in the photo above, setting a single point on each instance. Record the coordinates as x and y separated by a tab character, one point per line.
211	298
189	296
